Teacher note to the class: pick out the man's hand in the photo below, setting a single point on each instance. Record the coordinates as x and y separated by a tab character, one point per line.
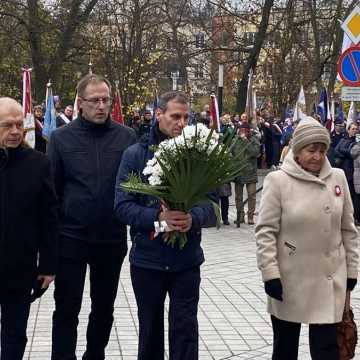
46	280
176	220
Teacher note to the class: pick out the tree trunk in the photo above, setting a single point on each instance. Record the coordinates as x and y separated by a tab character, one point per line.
253	56
38	58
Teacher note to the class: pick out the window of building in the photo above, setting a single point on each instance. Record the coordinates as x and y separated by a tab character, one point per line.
199	40
199	71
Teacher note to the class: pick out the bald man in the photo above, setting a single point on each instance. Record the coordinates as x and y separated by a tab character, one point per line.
28	229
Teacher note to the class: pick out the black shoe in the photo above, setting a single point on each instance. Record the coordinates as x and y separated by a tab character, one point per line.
226	222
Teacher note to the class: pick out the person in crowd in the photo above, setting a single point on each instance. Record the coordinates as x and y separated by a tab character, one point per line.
65	117
85	156
57	105
244	119
276	134
344	160
157	269
261	160
205	118
250	145
40	142
135	122
287	141
224	192
287	131
226	125
336	135
306	280
28	229
266	126
355	153
236	121
146	124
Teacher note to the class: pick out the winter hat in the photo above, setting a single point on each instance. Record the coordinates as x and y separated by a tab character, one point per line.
309	131
244	125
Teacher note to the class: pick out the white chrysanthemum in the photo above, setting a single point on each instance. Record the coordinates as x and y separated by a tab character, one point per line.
189	131
155	180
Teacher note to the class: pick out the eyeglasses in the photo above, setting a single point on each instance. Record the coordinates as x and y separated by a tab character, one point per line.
98	101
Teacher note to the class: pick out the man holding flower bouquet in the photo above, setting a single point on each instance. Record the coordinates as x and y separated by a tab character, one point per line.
157	268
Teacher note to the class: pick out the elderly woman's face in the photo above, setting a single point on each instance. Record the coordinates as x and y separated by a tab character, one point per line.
312	157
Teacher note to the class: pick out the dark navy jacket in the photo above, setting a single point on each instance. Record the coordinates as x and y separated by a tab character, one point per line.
140	212
85	158
343	158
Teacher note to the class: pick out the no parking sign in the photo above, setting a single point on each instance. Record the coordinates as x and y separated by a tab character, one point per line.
349	66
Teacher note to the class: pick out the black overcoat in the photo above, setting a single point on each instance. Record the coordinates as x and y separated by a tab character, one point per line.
28	220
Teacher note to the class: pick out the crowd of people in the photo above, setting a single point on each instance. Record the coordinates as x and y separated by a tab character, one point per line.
70	215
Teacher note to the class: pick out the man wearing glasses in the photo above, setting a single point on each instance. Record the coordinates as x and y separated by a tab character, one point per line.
85	156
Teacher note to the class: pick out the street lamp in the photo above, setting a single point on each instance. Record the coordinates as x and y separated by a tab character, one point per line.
326	75
220	88
175	75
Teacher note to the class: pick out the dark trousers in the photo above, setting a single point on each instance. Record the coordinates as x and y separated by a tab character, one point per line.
14	318
355	200
322	340
224	202
150	288
104	262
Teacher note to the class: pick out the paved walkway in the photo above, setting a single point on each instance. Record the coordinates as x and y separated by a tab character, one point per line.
232	312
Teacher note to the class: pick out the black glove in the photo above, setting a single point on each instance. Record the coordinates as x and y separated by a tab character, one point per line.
351	283
37	291
274	289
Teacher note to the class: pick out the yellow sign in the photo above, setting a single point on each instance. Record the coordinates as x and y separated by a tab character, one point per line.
351	25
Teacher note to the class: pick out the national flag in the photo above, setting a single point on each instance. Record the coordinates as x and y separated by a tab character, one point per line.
50	114
155	106
351	115
300	106
116	113
250	108
255	107
29	122
75	107
339	112
322	108
214	113
332	112
331	116
346	43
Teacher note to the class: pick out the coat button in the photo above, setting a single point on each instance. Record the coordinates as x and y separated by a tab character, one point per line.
327	209
329	277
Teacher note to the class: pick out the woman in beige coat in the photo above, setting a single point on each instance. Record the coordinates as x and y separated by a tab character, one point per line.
306	245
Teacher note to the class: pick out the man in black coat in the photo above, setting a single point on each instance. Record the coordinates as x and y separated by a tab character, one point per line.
65	117
28	228
85	156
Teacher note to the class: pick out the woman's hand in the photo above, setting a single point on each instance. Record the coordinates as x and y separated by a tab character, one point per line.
274	289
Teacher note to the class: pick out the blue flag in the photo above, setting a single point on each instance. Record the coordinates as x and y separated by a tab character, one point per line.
155	106
322	108
50	115
339	112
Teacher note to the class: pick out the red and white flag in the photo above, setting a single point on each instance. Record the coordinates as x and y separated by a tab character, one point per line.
214	113
116	113
29	122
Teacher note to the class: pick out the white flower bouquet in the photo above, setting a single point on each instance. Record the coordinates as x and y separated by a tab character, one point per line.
186	169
